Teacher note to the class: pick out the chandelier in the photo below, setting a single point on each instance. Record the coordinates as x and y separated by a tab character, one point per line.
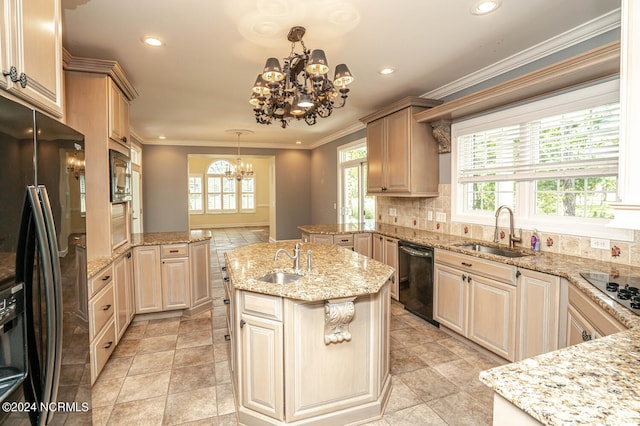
301	89
241	170
75	165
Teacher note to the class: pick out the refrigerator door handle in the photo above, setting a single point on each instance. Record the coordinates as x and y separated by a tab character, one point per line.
47	269
54	363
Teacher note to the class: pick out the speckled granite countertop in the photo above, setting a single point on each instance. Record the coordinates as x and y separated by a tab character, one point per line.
592	383
336	272
146	239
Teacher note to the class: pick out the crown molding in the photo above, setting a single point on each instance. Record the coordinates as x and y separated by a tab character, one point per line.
335	136
586	31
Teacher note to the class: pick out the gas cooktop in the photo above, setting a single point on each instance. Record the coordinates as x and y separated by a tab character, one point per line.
623	289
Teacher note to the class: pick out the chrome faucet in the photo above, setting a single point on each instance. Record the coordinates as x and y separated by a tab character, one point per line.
295	257
512	236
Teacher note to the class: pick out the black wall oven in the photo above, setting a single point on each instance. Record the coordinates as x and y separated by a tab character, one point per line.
415	264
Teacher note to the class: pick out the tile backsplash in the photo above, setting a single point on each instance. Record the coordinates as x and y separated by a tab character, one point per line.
434	214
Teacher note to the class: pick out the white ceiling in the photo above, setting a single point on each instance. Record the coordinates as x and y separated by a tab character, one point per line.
197	86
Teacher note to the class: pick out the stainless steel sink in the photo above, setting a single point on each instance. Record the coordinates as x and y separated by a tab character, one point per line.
492	250
280	278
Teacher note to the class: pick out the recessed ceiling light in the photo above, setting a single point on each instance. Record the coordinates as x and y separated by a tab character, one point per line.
298	143
387	71
485	6
152	41
162	137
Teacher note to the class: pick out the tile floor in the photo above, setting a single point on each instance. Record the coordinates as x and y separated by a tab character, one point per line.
175	370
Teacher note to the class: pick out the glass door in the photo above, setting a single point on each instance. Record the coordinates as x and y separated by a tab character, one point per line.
355	205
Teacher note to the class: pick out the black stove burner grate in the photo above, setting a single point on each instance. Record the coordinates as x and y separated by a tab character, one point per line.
623	289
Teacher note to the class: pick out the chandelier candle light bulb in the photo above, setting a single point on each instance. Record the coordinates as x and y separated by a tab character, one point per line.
300	88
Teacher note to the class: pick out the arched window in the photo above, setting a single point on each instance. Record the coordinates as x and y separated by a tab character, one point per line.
224	192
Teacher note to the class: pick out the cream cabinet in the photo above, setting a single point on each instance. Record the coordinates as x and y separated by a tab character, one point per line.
199	273
124	298
31	52
260	354
477	298
118	115
402	155
362	243
171	276
358	242
102	323
147	279
321	238
385	249
539	300
586	320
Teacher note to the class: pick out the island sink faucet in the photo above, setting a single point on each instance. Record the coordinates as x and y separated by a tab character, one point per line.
295	257
512	236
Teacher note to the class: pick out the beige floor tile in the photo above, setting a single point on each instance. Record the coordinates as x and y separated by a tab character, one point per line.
126	348
196	339
157	344
143	412
144	386
459	372
428	384
100	415
136	330
403	360
221	351
105	392
226	402
401	397
417	415
198	325
433	353
152	362
194	377
223	374
228	420
117	368
193	356
191	406
162	328
461	408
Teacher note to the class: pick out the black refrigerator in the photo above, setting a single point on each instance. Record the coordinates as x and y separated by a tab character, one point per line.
44	343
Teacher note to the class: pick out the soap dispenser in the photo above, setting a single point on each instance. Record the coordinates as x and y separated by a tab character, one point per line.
535	241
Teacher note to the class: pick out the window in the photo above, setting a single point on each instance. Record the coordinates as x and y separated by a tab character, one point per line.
355	205
554	161
224	193
195	193
83	196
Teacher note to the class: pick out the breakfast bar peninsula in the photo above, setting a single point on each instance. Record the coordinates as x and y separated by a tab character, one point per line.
309	338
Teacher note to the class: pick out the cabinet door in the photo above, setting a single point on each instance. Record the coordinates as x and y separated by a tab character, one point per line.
322	238
578	328
262	372
362	244
32	43
118	115
391	259
147	279
375	156
450	298
131	301
397	170
199	260
175	283
492	315
377	245
539	312
121	284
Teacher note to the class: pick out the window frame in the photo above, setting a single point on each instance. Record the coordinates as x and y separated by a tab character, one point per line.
361	163
196	176
524	214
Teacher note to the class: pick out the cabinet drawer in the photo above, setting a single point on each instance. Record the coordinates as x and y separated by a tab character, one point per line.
174	250
488	268
602	321
343	240
261	305
101	349
99	281
101	308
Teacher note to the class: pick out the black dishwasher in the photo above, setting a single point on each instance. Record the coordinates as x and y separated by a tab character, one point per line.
415	269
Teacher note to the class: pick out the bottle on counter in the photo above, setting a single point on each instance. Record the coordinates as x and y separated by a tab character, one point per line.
535	241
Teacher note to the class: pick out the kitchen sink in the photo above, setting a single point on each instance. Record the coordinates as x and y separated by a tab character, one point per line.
280	278
481	248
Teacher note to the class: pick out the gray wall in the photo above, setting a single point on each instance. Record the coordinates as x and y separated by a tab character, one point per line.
324	179
165	196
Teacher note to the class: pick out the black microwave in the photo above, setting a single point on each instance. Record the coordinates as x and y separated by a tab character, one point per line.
120	169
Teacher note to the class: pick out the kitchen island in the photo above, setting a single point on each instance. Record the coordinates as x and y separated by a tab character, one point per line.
314	350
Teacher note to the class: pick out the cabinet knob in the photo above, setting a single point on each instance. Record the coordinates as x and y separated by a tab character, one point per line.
106	277
13	75
227	301
242	323
586	336
227	337
468	265
226	279
106	307
224	268
464	277
108	345
124	139
469	279
518	273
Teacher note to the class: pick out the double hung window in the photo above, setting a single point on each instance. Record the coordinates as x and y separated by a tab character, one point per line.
554	161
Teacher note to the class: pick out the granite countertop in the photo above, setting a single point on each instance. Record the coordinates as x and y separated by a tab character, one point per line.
592	383
336	271
146	239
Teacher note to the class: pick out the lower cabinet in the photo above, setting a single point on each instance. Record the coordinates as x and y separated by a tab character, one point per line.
102	324
385	249
163	277
477	299
360	242
199	273
586	320
125	306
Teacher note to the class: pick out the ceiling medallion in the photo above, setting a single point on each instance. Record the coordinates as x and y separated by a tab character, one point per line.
301	89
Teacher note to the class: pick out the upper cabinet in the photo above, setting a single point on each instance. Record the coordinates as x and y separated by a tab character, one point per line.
31	52
402	155
118	115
